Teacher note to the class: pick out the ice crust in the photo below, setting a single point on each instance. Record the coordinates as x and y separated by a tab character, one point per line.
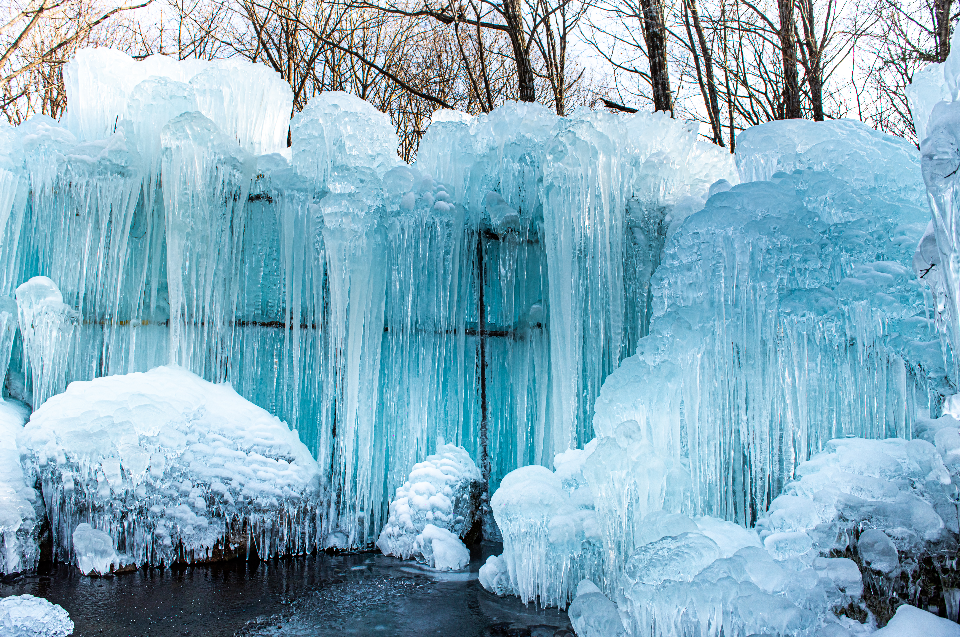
170	468
29	616
21	508
94	550
443	491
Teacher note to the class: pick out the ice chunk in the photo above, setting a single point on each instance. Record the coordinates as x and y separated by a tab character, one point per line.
21	508
172	468
593	615
911	621
495	576
29	616
442	491
441	549
48	327
878	551
94	550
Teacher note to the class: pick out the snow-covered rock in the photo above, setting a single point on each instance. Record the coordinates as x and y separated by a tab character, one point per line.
173	468
442	491
20	505
29	616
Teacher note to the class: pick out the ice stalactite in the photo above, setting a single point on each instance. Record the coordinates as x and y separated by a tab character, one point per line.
493	164
49	328
205	182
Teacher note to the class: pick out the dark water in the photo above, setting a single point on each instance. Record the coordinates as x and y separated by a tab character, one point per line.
366	594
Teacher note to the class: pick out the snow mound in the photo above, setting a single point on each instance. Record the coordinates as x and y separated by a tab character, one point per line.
173	468
443	492
914	622
893	487
29	616
20	505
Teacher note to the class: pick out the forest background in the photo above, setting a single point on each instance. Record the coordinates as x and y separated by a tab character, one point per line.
725	64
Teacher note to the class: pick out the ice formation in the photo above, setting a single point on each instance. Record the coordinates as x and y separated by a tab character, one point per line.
377	307
95	551
171	468
443	491
914	622
440	549
678	330
21	509
29	616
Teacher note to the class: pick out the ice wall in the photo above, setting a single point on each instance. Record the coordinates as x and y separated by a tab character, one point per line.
785	314
381	309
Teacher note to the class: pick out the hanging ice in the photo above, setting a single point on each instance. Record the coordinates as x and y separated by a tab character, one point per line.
48	326
205	184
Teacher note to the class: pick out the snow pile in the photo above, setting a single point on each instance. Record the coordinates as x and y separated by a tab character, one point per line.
442	492
173	468
94	551
914	622
29	616
21	508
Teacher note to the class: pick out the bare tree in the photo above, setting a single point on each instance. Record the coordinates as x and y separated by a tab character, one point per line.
36	39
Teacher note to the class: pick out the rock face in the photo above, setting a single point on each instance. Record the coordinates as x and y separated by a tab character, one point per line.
437	504
173	469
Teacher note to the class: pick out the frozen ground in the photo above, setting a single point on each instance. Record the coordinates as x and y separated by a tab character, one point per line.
325	595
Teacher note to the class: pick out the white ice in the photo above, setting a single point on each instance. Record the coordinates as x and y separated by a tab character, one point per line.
94	550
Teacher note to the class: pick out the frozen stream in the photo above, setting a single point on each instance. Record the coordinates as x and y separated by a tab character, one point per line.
364	594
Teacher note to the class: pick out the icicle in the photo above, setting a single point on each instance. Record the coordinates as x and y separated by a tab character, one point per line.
49	327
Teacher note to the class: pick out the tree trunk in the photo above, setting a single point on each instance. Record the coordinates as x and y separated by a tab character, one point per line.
708	84
655	35
788	47
526	88
941	17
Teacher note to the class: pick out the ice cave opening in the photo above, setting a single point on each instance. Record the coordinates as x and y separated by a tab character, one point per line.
692	392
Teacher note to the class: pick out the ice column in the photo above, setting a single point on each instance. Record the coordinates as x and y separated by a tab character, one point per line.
584	232
205	182
423	370
353	236
48	327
